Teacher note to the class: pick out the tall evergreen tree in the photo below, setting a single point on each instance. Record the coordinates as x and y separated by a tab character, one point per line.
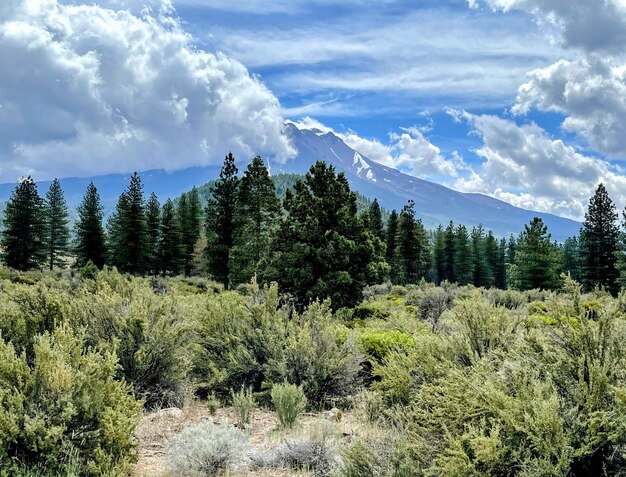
599	243
23	237
483	275
537	259
153	222
57	228
463	257
391	235
322	248
499	273
90	245
170	247
220	225
449	241
571	258
256	219
376	220
189	213
439	254
128	230
411	248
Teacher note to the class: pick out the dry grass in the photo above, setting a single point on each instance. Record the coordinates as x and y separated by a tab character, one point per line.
155	429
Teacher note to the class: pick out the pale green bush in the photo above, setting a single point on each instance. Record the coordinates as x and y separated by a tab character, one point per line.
206	449
64	410
244	405
289	401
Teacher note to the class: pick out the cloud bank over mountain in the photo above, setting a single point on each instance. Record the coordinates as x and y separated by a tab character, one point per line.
87	89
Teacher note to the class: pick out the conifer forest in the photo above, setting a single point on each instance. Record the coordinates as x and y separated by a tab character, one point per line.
284	325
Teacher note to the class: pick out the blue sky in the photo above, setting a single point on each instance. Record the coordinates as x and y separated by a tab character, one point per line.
524	100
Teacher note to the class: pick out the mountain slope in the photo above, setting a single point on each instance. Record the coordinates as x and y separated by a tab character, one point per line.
434	203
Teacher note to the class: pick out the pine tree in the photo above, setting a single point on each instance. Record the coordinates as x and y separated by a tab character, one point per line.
463	258
439	254
390	253
23	237
500	267
537	259
90	245
57	229
376	220
256	219
571	258
170	246
411	248
220	214
599	243
492	254
322	249
449	241
189	213
128	230
483	274
153	221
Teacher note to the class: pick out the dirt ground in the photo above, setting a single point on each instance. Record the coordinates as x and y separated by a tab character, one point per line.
156	428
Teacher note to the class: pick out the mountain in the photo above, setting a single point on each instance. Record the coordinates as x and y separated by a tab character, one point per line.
434	203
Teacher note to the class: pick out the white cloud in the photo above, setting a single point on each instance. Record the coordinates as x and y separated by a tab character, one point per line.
523	165
88	90
590	93
591	25
423	54
407	150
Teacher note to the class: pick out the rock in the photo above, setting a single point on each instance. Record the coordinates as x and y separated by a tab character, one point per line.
334	415
170	413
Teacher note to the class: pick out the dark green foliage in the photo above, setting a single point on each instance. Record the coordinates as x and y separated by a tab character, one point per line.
170	246
439	255
128	230
411	248
571	258
599	243
24	234
500	266
483	274
57	229
189	217
463	257
153	221
376	220
256	219
322	248
220	225
90	243
450	253
391	235
537	259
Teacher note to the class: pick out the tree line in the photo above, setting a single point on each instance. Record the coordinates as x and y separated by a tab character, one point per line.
314	243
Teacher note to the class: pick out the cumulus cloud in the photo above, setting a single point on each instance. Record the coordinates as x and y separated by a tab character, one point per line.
591	25
86	89
523	165
590	93
407	150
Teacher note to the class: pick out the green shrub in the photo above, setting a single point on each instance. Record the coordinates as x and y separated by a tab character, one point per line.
65	410
289	401
244	405
377	344
206	449
213	403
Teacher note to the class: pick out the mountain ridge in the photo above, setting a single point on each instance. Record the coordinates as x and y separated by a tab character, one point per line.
435	204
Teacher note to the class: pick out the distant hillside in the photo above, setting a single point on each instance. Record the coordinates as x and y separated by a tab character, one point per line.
284	182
